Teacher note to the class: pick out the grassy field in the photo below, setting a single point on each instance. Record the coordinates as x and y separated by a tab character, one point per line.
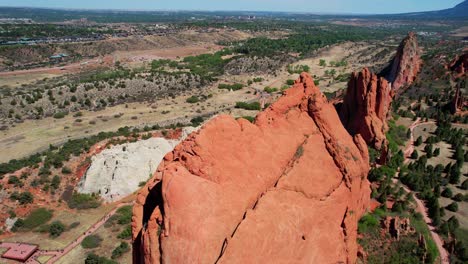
36	135
43	259
86	218
445	157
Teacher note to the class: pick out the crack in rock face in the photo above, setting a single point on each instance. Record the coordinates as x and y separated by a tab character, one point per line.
118	171
274	191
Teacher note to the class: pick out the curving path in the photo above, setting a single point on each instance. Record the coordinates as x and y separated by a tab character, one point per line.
57	254
421	208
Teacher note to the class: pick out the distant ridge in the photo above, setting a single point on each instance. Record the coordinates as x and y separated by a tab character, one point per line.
459	11
45	14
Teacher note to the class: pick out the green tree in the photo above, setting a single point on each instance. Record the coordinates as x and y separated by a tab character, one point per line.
120	250
418	141
193	99
322	63
447	193
126	233
444	229
453	224
452	207
56	229
464	185
91	241
25	198
55	184
458	197
95	259
454	175
428	149
434	210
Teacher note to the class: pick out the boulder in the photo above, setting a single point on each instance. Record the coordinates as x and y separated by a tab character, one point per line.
289	188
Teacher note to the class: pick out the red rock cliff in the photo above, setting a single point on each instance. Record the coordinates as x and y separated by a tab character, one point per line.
459	68
288	189
365	107
459	65
458	102
406	65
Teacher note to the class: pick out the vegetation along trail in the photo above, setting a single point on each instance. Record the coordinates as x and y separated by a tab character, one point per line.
57	254
421	208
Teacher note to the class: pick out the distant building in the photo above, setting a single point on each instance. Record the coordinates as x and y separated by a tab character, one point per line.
18	251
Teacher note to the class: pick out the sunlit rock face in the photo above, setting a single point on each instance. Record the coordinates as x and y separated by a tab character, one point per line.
405	66
365	108
288	189
119	171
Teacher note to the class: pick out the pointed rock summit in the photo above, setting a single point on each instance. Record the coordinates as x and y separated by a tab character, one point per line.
365	108
406	65
289	188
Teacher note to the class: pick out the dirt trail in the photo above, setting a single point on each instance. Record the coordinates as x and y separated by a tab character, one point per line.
57	254
421	208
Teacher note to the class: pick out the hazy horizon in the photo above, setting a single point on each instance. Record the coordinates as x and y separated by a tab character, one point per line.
301	6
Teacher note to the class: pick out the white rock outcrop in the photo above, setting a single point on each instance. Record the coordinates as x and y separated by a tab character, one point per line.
117	172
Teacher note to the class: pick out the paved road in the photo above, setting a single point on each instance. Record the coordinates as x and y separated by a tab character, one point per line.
57	254
421	208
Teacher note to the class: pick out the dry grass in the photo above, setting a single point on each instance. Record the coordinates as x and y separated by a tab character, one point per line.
20	79
35	135
43	259
86	218
108	244
445	157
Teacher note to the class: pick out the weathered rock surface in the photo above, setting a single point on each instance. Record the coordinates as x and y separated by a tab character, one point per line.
397	227
459	65
458	102
288	189
365	108
117	172
405	66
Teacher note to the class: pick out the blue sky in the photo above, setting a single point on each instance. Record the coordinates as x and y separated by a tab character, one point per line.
314	6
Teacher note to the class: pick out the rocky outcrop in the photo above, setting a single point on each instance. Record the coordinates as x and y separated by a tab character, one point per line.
365	108
459	65
458	102
397	227
406	65
289	188
118	171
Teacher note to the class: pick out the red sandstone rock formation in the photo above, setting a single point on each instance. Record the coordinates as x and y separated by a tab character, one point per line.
365	108
396	226
458	102
288	189
406	64
459	65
